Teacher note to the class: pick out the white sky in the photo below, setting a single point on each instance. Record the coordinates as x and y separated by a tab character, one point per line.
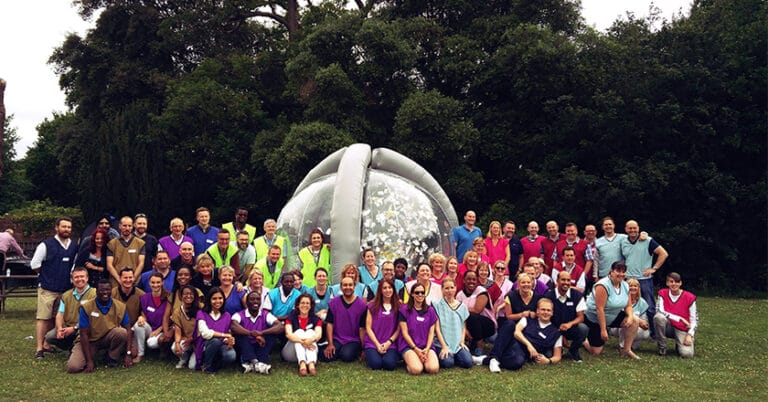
31	29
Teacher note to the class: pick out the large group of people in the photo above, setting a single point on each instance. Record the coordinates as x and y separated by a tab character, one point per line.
218	297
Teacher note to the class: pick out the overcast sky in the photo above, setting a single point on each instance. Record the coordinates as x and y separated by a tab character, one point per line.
31	29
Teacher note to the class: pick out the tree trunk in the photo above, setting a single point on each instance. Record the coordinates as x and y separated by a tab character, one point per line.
292	17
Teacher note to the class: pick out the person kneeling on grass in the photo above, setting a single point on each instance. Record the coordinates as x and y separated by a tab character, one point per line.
537	340
417	333
676	317
104	324
254	331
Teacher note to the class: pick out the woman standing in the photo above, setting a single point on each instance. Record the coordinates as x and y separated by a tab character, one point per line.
316	255
496	245
214	345
381	328
303	329
437	264
452	328
417	332
369	271
94	257
149	329
609	306
321	293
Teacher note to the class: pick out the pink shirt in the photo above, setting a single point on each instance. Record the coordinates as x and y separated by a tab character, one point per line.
7	241
497	252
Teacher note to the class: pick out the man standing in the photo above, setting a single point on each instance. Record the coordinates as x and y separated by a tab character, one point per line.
608	248
271	266
203	235
140	225
224	252
462	236
677	317
125	251
345	324
53	260
516	260
162	266
172	242
186	257
269	239
582	251
240	223
246	255
638	255
569	308
63	336
590	237
549	245
104	324
569	265
7	242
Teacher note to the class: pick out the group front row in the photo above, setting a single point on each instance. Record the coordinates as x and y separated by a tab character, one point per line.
426	333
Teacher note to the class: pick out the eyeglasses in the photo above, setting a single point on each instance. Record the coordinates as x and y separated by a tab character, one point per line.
500	267
418	293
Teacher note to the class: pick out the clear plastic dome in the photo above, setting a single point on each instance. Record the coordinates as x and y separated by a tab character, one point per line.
399	218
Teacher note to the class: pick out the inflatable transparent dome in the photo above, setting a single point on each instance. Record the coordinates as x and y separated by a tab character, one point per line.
362	198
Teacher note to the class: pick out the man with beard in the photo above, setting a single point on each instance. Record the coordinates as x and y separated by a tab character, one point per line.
345	324
53	260
246	255
140	225
125	251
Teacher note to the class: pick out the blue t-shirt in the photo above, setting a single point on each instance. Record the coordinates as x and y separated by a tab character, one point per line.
463	239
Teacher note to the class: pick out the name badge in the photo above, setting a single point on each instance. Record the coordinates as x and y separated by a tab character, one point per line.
387	313
150	309
94	314
209	241
131	250
420	319
82	302
542	335
65	259
569	303
309	326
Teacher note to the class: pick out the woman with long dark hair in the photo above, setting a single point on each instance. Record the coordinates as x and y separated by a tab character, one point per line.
214	344
417	332
381	328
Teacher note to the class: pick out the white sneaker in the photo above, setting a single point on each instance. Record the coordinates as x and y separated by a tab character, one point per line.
247	367
181	364
264	368
494	366
478	360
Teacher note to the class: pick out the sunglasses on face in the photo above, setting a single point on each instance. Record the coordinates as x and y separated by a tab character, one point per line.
418	293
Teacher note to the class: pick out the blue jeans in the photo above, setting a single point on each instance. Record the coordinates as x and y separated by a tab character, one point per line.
216	355
377	361
646	288
462	358
346	353
250	351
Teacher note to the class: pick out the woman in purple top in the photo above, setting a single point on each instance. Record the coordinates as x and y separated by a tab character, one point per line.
417	330
149	329
381	328
233	293
214	345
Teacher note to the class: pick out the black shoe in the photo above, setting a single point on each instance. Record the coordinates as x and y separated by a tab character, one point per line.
39	354
575	356
663	350
112	363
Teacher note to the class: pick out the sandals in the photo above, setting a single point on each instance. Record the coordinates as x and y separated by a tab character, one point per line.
302	369
630	354
312	370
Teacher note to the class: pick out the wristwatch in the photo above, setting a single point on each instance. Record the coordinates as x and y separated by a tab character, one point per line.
76	327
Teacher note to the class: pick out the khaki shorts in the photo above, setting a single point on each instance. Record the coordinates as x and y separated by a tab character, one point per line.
45	301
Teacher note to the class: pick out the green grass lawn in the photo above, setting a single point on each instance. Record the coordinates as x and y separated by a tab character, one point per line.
730	364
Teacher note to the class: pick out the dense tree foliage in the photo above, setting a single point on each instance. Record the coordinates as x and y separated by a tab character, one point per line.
517	108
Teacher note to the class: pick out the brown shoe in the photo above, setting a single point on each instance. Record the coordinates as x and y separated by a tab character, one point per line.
137	359
312	370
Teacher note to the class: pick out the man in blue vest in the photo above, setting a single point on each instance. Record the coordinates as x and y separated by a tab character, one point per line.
203	235
569	307
53	260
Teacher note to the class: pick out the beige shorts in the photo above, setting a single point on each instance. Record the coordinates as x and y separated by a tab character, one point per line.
45	301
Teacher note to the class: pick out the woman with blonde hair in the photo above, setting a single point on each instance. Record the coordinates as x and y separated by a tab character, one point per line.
496	245
640	310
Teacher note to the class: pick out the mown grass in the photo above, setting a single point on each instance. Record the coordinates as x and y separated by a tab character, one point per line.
730	364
